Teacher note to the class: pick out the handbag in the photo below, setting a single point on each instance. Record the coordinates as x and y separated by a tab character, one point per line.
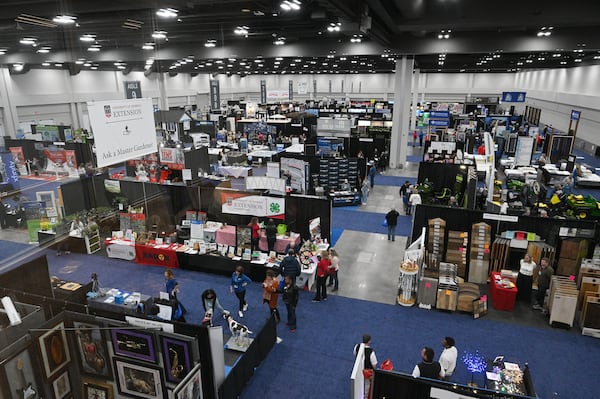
387	365
384	223
368	374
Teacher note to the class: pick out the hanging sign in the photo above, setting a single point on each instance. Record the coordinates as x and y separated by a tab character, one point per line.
439	122
263	91
303	87
255	205
575	115
215	95
439	114
291	89
123	129
133	89
513	96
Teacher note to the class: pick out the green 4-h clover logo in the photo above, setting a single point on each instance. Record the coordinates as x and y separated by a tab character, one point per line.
274	207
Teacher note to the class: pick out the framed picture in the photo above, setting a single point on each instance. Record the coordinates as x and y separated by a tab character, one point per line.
93	389
177	357
61	386
243	236
138	380
54	350
134	344
191	386
92	349
20	373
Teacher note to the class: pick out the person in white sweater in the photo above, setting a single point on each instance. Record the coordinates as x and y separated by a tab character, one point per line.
333	269
448	357
414	200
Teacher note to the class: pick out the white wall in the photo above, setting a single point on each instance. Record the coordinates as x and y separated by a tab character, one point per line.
54	94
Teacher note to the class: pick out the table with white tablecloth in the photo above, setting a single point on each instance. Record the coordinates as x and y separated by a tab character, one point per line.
235	171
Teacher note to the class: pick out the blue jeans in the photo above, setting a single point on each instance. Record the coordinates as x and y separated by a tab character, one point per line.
291	320
333	279
392	232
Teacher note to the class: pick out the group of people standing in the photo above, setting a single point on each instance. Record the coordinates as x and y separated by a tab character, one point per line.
527	268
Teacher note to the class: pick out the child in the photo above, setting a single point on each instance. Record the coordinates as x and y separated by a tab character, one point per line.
239	281
270	296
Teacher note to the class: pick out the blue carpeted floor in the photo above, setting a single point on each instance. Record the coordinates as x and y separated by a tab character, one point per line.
369	222
385	180
9	249
315	362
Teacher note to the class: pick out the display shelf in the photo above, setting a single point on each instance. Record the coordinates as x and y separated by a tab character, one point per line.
572	251
562	300
456	250
407	284
447	295
480	253
436	233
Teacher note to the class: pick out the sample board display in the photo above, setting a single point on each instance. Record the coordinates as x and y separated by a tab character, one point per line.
123	129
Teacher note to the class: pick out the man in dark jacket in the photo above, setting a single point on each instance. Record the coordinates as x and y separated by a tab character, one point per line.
404	194
290	298
428	368
391	219
290	266
543	282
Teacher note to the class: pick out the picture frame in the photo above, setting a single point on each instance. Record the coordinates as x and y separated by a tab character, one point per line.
54	350
95	389
134	344
138	380
243	236
191	386
92	349
21	373
61	386
177	358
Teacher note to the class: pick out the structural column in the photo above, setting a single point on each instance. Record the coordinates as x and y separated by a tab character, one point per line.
11	118
163	99
401	117
415	99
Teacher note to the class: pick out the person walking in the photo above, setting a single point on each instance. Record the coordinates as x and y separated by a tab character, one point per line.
290	298
239	281
255	237
370	362
270	295
525	278
414	200
210	303
322	272
290	267
448	357
404	193
271	233
428	367
543	282
372	173
391	219
333	269
172	288
364	188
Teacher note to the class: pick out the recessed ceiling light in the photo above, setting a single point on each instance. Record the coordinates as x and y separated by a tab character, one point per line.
563	63
58	65
88	37
577	60
43	50
94	67
210	43
159	34
64	19
334	27
94	48
45	64
167	13
87	65
148	46
29	41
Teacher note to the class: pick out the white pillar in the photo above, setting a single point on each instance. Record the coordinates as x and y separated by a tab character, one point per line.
11	118
415	99
401	117
163	99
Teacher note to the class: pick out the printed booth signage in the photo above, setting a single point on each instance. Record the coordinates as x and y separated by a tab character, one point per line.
254	205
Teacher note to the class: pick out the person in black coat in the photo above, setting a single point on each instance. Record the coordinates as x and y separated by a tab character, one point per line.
290	298
271	233
290	267
391	219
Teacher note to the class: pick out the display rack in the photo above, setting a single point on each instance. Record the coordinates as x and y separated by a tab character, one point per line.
447	296
411	272
436	233
92	241
500	253
562	300
480	253
334	172
456	250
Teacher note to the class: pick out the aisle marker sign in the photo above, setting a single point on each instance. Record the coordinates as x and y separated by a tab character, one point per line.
123	129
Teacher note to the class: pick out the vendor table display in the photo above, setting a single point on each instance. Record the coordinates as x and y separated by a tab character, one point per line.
345	198
226	236
235	171
281	243
506	377
503	292
407	286
117	301
150	253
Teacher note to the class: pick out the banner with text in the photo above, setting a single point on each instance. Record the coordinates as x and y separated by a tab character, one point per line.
215	95
254	205
291	89
123	129
513	96
278	95
133	89
263	91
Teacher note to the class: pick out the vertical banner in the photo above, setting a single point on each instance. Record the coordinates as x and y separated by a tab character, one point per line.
133	89
215	95
314	88
329	86
303	87
291	89
263	91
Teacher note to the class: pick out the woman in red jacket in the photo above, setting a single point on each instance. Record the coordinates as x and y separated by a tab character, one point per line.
255	233
322	273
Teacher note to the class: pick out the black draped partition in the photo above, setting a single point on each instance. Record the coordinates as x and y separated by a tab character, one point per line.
300	209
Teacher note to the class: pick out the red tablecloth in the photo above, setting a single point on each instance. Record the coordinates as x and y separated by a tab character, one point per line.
502	298
150	255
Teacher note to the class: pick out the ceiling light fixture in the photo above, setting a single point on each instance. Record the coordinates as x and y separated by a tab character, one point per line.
43	50
18	67
148	46
241	30
159	34
356	39
94	48
444	34
45	64
334	27
64	19
29	41
545	31
167	13
280	41
290	5
88	37
210	43
3	51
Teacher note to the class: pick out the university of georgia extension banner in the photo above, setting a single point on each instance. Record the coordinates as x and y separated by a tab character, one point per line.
123	129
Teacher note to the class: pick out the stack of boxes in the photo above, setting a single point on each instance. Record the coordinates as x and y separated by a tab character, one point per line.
447	296
456	251
572	251
435	244
479	262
